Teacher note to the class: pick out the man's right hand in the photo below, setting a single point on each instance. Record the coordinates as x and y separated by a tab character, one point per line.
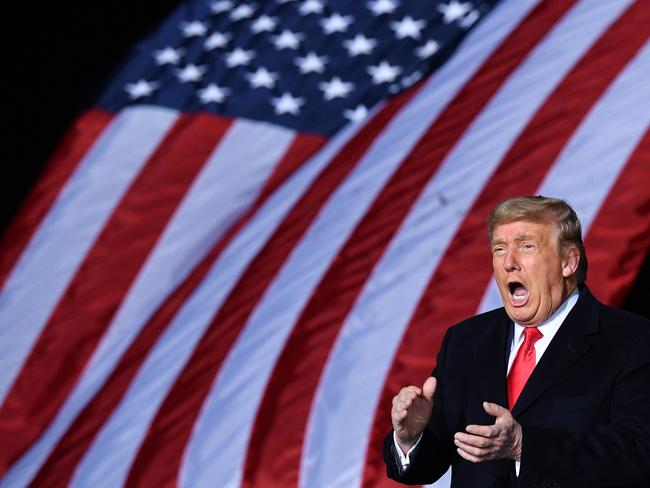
411	412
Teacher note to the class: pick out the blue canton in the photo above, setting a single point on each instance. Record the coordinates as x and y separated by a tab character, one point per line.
310	65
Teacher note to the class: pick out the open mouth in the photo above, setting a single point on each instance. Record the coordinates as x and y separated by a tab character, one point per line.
518	293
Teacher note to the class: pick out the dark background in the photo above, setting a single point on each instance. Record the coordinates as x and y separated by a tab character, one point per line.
65	51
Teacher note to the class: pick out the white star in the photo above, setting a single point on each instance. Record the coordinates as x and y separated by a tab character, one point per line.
359	45
335	88
140	89
194	29
429	49
213	93
242	12
411	79
311	7
287	40
469	19
216	40
191	72
262	78
379	7
407	27
383	73
287	104
356	115
239	57
336	23
454	10
311	63
221	6
168	55
264	24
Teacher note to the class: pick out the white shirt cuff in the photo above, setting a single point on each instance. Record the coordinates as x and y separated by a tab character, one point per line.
405	459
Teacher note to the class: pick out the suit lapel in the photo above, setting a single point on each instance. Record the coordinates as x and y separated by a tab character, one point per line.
567	346
491	360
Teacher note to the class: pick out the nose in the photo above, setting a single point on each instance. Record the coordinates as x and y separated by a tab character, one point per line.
510	261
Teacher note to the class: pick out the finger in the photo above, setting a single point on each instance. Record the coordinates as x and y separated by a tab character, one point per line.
489	431
409	393
477	452
429	388
495	410
406	404
400	415
401	406
473	440
468	456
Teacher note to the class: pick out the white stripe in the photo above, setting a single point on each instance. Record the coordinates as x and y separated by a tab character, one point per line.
226	186
596	154
353	380
61	242
217	450
106	465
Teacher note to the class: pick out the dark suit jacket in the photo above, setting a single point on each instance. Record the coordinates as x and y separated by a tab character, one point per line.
585	410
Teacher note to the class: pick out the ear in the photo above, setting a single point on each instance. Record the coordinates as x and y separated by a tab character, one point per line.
570	261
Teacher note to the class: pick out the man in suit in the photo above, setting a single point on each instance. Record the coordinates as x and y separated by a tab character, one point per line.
552	390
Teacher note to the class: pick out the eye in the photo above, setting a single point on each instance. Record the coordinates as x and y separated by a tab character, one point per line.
528	246
498	249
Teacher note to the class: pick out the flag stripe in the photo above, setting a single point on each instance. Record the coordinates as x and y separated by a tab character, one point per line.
193	384
222	191
626	102
53	255
81	317
443	303
616	251
77	141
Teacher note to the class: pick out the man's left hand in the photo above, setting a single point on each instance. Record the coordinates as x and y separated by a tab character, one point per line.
488	442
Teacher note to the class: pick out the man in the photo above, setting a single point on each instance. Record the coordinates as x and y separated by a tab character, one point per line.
551	390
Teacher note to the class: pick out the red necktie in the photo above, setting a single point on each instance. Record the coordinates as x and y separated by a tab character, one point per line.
523	364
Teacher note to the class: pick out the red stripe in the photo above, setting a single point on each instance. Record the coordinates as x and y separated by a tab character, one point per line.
619	237
88	305
293	383
159	457
76	143
521	172
62	461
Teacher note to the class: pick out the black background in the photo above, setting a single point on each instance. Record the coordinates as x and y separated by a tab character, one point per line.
64	52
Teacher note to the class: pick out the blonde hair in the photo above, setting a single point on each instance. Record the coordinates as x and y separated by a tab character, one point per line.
544	210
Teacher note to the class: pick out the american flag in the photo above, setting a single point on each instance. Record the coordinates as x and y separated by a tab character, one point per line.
266	223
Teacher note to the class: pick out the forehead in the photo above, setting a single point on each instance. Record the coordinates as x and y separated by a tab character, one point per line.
519	229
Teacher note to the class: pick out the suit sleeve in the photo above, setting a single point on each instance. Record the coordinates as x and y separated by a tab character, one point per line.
432	457
615	454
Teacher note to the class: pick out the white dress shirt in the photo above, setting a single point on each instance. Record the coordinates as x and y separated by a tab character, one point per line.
548	328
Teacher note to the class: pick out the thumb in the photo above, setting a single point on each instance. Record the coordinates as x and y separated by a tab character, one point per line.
495	410
429	388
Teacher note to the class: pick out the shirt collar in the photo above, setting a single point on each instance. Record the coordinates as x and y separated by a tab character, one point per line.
553	323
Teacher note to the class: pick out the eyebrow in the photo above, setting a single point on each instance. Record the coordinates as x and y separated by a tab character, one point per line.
525	237
518	237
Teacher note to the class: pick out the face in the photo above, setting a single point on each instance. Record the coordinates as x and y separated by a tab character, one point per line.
534	277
